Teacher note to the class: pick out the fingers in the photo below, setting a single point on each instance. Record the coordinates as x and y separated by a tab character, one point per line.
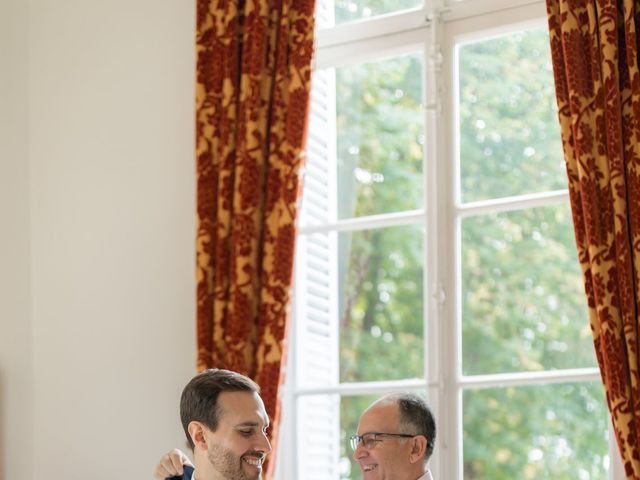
180	457
171	465
160	473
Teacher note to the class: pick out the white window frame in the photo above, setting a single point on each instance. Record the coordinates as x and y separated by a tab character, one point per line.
435	29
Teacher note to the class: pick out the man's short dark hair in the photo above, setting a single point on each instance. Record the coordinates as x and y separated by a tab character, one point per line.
199	401
416	417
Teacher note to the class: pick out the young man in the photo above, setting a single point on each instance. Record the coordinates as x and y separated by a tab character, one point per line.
396	437
225	422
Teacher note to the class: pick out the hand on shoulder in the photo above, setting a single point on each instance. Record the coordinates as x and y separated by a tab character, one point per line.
170	464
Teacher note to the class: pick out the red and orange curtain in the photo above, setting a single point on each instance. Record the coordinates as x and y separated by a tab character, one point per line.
594	46
252	98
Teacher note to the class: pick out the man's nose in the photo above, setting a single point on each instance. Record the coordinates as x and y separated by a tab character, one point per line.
359	452
265	445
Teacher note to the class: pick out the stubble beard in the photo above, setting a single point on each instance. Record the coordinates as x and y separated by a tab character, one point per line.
227	464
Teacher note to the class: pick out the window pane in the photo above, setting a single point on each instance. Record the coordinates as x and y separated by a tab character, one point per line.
380	304
552	431
332	12
379	136
509	132
523	302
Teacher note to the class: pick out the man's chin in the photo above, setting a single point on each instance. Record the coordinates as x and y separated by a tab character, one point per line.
252	472
369	471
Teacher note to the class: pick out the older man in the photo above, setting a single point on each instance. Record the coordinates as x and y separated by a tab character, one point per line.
396	437
225	422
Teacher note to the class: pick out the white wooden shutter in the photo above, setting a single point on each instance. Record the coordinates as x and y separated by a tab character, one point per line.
316	316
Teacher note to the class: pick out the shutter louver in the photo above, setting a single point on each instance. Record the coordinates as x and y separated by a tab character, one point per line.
318	416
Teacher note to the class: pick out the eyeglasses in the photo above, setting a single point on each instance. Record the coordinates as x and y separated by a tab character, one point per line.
369	439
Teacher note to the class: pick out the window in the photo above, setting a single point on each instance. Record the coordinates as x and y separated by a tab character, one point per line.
435	250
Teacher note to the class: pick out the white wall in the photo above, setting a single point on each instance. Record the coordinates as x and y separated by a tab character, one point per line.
15	329
111	95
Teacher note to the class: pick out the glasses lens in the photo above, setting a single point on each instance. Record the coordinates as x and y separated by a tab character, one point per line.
354	440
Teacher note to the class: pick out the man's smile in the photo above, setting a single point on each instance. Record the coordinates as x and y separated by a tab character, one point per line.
253	460
368	468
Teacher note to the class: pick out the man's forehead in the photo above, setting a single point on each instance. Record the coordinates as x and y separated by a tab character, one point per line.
382	416
242	407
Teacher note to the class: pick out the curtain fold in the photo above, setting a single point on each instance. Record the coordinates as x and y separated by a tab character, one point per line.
252	99
594	45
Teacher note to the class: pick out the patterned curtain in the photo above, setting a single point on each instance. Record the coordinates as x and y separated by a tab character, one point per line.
252	97
594	46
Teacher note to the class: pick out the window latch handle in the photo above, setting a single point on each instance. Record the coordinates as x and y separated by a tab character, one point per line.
439	295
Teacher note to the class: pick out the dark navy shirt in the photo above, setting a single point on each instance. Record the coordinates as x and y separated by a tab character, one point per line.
187	474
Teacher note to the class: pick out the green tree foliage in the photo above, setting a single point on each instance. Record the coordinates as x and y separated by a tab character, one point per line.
523	306
380	136
527	433
380	171
509	133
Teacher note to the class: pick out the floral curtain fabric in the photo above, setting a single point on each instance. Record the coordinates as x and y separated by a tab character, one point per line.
594	46
252	97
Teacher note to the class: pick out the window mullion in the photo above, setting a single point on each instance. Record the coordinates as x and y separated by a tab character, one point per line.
451	419
439	330
366	223
544	377
510	204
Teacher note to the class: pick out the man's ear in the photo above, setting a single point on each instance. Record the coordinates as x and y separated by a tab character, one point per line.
196	432
418	448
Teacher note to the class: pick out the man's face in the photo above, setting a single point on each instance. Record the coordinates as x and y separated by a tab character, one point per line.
388	458
239	445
